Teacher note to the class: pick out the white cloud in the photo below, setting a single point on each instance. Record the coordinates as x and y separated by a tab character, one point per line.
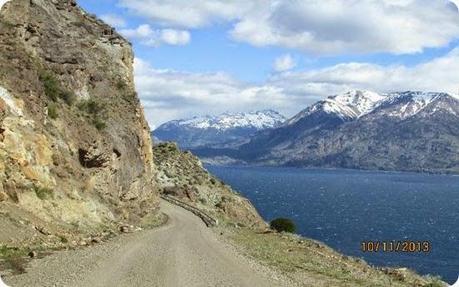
152	37
319	27
114	20
439	74
284	63
175	37
141	32
188	13
168	94
361	26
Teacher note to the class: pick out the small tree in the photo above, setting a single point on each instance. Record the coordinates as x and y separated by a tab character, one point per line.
283	225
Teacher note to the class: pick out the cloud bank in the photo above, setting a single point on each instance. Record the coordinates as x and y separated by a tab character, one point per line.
154	38
317	27
168	94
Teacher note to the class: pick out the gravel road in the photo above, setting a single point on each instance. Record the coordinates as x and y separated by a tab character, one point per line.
184	252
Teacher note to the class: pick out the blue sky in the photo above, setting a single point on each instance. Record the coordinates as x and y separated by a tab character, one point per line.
208	57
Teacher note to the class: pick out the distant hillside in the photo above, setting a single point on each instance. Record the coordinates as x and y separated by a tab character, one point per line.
181	174
227	130
406	131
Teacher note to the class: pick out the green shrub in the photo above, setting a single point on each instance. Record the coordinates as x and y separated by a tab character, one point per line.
91	107
120	84
95	110
99	124
44	193
52	111
51	85
53	89
94	107
283	225
68	97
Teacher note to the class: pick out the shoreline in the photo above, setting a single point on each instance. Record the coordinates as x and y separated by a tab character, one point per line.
338	169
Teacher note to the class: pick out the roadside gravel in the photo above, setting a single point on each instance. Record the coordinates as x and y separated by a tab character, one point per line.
184	252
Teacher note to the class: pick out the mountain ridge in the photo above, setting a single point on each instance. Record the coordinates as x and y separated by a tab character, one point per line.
357	129
257	119
401	131
227	129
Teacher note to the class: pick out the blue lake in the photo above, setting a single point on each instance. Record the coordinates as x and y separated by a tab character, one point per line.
345	207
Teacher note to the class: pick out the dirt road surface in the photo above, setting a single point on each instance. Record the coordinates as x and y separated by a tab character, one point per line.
184	252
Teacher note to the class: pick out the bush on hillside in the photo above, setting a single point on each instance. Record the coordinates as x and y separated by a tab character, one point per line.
44	193
68	97
53	89
52	111
99	124
51	86
94	110
283	225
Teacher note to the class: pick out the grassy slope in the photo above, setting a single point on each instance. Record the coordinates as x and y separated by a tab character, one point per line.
311	263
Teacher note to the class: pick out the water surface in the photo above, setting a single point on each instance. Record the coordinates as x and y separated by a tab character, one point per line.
345	207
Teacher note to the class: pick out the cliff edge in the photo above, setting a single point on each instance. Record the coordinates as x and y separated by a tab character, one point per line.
75	148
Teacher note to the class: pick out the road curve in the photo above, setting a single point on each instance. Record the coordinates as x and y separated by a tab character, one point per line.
184	252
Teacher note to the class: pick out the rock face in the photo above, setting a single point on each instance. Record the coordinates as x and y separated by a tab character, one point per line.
181	175
410	131
75	149
228	130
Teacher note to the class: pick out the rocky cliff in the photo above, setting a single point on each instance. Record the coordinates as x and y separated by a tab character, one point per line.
181	175
75	149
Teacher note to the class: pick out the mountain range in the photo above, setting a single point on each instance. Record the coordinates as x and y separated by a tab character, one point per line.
407	131
228	130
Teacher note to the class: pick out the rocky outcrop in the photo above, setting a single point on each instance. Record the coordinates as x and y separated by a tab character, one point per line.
182	176
75	149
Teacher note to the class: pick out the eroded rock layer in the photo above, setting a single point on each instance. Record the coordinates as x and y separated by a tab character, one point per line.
75	149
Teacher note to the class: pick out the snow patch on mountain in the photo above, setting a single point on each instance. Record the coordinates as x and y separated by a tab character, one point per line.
360	102
256	120
351	105
356	104
412	103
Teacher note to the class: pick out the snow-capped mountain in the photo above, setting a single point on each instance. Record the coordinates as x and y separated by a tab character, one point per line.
254	120
360	129
225	130
348	106
356	104
407	104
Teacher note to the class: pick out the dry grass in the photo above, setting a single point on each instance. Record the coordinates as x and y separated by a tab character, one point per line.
311	263
13	259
